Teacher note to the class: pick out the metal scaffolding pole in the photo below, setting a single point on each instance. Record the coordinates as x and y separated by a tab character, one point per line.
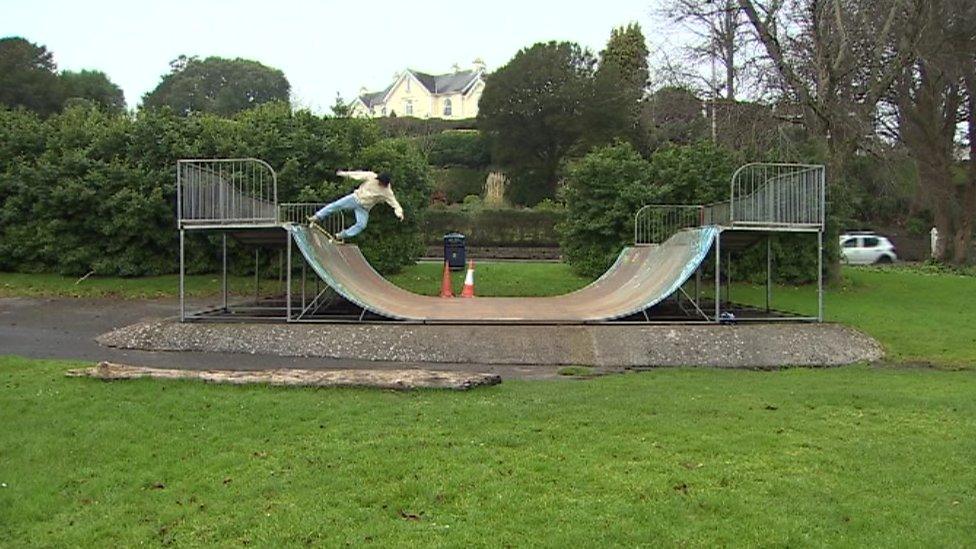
182	276
288	276
718	276
820	303
728	277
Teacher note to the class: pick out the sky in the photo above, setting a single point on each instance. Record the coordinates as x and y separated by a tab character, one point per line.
324	47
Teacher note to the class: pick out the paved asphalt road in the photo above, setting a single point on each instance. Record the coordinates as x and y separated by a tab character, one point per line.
65	328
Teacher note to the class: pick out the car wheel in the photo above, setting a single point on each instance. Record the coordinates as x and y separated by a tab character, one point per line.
884	260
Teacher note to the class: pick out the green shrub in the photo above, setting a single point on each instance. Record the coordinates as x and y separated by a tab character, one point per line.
694	174
459	148
603	190
457	183
794	260
471	203
85	190
409	126
550	205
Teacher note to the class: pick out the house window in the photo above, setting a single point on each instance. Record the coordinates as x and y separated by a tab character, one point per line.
408	107
384	110
408	84
447	107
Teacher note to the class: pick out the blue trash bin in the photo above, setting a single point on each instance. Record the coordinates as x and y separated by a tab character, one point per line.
454	251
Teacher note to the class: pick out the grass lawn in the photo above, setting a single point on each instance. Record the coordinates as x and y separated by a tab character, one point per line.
849	456
918	317
515	279
147	287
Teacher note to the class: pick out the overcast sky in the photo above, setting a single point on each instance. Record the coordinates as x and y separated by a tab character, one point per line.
323	47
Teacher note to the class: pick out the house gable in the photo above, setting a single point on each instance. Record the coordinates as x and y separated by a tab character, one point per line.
423	95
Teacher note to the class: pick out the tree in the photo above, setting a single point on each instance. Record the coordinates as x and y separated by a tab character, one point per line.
933	97
673	115
621	81
94	86
603	191
720	35
28	77
836	60
533	109
217	85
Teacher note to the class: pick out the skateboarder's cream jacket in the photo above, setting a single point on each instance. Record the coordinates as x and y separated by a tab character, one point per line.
371	192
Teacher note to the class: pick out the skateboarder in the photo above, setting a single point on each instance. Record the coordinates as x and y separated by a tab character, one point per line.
374	189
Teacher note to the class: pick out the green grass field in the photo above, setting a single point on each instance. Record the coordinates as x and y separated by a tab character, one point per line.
927	318
854	456
148	287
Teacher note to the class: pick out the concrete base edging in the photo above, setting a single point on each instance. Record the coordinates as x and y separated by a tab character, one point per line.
607	346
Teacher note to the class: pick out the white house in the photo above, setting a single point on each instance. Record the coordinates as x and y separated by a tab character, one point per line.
453	95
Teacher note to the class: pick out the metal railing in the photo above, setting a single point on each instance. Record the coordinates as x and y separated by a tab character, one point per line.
226	191
655	223
780	196
790	195
298	212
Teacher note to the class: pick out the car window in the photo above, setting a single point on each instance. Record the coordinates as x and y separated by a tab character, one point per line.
850	243
871	242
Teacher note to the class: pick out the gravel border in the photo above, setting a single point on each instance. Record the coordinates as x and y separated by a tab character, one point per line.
606	346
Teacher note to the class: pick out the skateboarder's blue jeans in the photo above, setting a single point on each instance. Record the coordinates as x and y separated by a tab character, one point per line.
347	202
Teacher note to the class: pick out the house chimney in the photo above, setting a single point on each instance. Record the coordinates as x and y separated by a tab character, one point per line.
363	91
479	64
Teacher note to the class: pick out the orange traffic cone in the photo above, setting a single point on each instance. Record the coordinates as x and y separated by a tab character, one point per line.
468	290
446	290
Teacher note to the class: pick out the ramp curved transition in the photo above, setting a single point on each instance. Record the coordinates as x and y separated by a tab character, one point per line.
641	277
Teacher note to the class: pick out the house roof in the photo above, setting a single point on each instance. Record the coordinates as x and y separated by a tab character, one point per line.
453	82
373	98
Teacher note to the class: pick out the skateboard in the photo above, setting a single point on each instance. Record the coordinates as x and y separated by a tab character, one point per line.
314	224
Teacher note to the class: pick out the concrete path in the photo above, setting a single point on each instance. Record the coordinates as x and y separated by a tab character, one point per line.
65	328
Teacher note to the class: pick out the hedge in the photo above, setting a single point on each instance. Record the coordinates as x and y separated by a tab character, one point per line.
459	148
84	190
410	126
503	227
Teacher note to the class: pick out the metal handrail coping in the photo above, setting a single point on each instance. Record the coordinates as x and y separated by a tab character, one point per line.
179	193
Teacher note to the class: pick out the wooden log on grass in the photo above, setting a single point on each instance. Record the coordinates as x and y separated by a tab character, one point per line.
382	379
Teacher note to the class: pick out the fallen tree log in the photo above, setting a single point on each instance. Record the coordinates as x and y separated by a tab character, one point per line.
382	379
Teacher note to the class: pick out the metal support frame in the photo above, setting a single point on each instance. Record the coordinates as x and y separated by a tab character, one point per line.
820	302
728	277
718	276
182	276
693	302
223	283
288	276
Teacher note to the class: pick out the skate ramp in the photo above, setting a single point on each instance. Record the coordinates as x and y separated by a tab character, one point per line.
641	277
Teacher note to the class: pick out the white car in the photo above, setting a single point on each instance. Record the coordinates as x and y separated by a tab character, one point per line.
865	248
